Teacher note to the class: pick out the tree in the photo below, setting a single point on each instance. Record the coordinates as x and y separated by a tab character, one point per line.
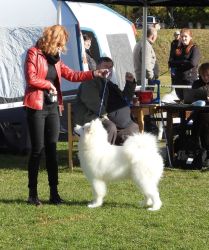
172	16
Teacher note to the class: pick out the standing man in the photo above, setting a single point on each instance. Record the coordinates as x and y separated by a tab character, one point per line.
152	69
174	44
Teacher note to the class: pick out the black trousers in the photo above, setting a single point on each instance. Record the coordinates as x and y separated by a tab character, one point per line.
44	128
201	128
180	92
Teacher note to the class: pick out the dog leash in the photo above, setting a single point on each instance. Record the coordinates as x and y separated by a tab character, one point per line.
103	95
164	73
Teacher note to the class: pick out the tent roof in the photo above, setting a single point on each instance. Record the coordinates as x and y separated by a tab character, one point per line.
150	2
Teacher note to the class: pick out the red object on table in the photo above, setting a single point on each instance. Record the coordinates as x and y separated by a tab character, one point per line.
145	97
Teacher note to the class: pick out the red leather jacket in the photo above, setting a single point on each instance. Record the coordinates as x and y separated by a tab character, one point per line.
36	68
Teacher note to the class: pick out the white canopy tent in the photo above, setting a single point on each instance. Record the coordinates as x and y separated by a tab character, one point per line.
143	77
21	24
116	41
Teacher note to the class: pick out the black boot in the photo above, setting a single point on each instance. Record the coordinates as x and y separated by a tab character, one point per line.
33	197
54	196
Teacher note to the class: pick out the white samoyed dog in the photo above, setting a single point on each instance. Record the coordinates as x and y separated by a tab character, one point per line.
102	162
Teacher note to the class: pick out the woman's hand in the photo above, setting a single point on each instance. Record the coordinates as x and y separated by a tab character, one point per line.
101	73
53	89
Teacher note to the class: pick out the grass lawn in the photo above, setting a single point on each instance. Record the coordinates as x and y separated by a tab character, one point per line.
182	222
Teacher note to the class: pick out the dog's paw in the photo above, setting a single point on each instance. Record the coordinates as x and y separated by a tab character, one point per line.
94	205
155	207
145	203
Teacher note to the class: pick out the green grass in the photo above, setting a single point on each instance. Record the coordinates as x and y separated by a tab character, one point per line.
182	222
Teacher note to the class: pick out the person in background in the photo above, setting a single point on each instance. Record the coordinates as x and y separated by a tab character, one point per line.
152	68
200	119
185	61
87	44
109	103
43	102
157	26
174	44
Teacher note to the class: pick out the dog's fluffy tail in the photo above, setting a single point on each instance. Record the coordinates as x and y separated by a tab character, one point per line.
143	141
141	146
142	150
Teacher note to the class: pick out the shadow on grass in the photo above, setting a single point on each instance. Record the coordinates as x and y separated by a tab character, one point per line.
12	161
63	157
13	201
83	203
105	205
19	162
45	202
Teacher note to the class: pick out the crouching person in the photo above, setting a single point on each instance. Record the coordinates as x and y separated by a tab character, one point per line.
102	98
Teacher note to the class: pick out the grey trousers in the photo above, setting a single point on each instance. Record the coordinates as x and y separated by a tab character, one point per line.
117	135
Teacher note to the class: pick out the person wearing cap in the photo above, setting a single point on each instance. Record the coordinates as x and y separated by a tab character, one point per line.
174	45
175	42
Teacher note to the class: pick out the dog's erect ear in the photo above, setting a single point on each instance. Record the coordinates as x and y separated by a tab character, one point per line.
78	129
98	120
87	127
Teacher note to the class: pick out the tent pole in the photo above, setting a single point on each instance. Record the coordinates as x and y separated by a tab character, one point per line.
59	12
143	75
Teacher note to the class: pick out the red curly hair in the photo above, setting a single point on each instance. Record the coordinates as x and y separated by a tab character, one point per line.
53	37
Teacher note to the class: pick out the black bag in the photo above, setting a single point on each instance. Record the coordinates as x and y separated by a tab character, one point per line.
150	125
188	153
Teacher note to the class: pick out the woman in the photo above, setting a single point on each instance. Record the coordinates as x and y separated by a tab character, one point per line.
87	44
201	120
43	101
184	61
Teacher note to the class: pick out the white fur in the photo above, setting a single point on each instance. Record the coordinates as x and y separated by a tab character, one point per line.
138	159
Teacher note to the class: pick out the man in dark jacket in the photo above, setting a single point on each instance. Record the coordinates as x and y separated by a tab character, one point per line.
174	45
102	98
